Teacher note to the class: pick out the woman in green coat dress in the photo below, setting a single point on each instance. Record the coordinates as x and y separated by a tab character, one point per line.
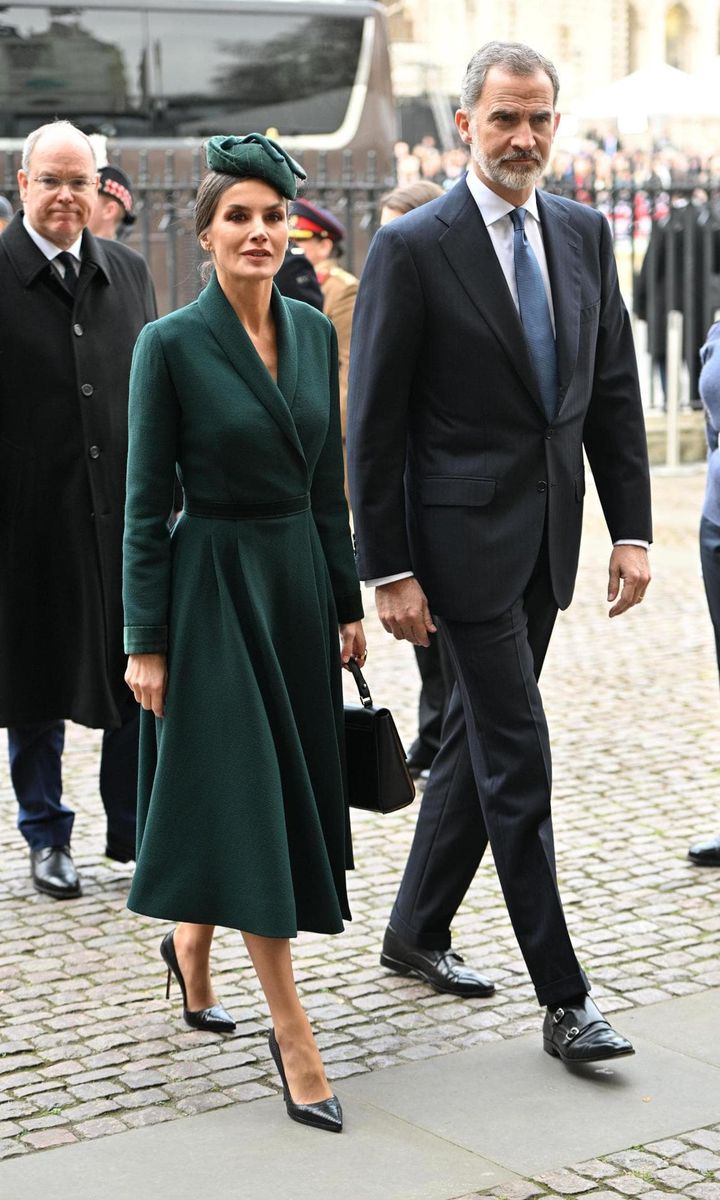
231	622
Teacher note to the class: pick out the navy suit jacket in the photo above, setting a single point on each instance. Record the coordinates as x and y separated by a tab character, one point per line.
454	470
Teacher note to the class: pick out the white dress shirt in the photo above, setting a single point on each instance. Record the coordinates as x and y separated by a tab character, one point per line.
50	250
495	213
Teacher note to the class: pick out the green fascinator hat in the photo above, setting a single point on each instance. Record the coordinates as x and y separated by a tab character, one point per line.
255	157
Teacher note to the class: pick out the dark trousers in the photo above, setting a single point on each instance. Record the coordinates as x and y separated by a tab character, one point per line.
710	560
491	780
437	683
36	772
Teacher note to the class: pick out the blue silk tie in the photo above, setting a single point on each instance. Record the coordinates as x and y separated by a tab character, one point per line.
535	314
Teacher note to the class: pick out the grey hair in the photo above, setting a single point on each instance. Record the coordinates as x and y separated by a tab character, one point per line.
515	57
33	138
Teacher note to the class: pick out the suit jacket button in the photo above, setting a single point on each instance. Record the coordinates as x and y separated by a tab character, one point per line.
94	451
87	389
78	330
549	433
542	486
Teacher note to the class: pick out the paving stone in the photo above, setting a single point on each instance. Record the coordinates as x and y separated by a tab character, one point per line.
43	1139
129	1100
668	1148
566	1183
95	1091
595	1168
708	1138
513	1191
631	1185
100	1127
203	1103
637	1160
700	1160
144	1079
12	1149
676	1177
704	1191
149	1116
93	1108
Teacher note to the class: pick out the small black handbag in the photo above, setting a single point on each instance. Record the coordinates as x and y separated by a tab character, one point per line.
378	778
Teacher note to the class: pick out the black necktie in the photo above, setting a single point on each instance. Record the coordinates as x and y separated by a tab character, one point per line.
70	279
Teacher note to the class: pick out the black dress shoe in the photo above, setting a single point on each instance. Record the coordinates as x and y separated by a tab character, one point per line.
119	851
579	1033
323	1114
214	1019
442	969
53	872
706	854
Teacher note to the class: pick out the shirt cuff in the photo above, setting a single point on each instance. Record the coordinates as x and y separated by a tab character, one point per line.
387	579
632	542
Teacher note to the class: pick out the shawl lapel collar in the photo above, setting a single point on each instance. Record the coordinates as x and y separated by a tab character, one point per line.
466	244
235	343
563	252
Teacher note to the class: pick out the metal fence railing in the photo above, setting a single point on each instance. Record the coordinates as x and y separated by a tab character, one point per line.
667	239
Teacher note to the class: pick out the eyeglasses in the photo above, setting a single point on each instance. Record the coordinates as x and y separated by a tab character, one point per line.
49	183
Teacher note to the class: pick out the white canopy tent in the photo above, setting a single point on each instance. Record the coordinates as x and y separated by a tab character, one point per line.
657	91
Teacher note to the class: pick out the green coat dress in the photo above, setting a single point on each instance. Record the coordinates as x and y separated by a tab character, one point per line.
242	813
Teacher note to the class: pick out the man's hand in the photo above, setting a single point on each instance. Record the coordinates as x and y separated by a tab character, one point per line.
403	609
631	565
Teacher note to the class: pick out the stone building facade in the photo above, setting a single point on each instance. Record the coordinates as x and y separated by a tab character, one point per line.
592	42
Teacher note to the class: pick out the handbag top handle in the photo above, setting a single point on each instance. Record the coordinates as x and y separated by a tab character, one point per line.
362	687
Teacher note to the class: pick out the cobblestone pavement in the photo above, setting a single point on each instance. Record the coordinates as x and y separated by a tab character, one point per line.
89	1046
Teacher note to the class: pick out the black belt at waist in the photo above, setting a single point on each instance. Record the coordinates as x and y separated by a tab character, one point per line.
245	512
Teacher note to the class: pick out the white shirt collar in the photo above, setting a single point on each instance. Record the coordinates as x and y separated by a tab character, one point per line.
49	249
493	207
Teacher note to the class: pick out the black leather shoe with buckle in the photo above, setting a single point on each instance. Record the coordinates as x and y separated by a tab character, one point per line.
442	969
579	1033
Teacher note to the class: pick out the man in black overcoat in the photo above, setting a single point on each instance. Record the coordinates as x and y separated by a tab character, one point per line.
71	307
490	346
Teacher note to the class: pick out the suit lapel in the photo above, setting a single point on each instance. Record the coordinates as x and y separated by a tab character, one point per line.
562	250
235	343
467	246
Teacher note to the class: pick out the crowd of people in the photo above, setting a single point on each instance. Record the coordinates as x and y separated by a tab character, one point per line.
594	165
208	644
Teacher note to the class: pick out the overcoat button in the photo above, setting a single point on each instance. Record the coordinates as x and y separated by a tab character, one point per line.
94	451
549	433
87	389
542	486
78	330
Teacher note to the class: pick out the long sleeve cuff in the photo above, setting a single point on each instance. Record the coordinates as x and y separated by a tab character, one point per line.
146	639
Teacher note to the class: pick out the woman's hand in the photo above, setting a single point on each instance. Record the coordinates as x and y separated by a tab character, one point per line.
352	637
146	676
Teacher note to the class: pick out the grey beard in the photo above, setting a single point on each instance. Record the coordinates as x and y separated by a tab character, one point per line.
504	173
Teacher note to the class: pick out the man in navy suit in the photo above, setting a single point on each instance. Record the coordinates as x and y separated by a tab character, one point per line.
490	347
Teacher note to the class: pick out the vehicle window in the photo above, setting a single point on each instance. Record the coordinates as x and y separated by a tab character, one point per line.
184	74
84	64
211	72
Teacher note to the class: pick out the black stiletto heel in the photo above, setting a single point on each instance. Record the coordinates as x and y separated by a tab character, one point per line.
324	1114
212	1020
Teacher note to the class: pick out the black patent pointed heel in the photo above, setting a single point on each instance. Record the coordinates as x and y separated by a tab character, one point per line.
214	1019
324	1114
